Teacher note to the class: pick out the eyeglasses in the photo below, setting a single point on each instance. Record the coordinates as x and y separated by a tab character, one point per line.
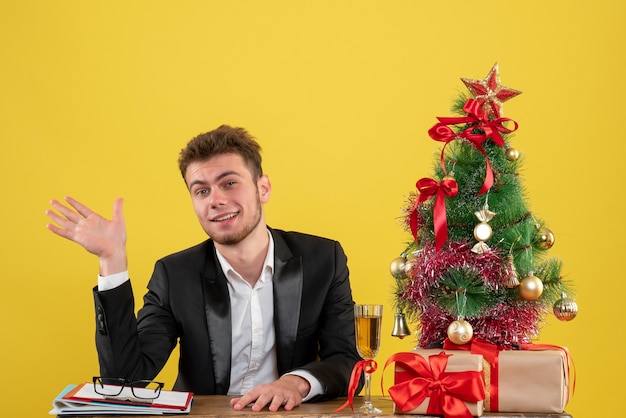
142	390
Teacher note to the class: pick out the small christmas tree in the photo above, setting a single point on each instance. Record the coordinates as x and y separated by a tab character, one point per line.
477	266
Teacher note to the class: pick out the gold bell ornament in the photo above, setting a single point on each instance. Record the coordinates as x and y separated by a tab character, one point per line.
400	326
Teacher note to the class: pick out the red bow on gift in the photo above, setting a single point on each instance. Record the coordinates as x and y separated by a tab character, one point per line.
490	352
447	391
429	188
480	129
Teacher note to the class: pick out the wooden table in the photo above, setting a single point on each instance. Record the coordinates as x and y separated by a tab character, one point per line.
219	406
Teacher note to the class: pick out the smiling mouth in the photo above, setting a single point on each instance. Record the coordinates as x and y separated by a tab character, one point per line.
225	217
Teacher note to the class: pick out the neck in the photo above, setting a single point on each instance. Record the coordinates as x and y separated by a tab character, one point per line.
247	257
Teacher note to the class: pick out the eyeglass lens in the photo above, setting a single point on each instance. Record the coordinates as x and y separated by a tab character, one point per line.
143	389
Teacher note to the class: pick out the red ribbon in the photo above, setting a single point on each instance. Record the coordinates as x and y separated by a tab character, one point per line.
490	353
477	119
429	188
361	366
448	392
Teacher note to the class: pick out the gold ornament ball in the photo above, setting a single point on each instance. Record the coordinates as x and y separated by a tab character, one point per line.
544	238
408	266
531	287
565	309
512	154
460	332
397	267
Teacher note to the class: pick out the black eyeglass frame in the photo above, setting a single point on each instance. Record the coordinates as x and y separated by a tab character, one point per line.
122	383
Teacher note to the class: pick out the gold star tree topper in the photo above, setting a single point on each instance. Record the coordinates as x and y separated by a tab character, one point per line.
490	92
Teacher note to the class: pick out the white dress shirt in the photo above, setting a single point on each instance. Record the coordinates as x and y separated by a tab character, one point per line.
253	335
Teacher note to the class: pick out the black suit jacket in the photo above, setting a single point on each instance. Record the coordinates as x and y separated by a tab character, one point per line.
188	301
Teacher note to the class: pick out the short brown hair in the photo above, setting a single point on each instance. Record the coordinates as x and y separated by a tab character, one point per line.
223	140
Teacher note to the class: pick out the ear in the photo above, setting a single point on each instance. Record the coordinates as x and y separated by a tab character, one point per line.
265	188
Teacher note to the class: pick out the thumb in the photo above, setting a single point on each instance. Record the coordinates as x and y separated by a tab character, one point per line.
118	213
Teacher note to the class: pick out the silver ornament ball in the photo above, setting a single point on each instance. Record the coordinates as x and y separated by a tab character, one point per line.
565	309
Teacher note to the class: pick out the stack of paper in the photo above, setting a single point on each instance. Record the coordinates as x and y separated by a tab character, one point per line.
83	400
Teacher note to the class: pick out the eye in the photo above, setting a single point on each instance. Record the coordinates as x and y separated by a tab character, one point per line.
229	184
201	192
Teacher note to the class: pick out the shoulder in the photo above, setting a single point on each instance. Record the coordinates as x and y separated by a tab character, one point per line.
299	243
299	238
196	253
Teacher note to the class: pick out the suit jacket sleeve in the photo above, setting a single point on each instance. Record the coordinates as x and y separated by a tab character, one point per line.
187	303
129	347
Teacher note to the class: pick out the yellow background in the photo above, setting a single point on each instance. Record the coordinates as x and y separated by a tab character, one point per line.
97	99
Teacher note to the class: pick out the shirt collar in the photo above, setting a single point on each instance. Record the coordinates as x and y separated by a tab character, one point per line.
268	264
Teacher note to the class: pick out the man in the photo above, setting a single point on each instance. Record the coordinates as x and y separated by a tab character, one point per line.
261	314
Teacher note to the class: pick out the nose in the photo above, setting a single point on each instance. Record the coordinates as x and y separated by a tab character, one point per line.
217	197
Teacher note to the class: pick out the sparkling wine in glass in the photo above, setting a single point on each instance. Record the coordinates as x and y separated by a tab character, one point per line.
367	322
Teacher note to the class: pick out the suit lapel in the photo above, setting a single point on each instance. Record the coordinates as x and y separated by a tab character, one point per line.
287	282
217	309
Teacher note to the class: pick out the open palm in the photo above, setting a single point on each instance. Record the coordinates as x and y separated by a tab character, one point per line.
102	237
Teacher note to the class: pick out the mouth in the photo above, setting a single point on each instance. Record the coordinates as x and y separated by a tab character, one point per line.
225	218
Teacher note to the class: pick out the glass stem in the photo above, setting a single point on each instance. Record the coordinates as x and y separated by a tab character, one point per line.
368	384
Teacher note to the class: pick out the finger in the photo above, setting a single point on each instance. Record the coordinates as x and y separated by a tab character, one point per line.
292	403
80	208
65	211
276	403
241	402
61	221
262	401
62	232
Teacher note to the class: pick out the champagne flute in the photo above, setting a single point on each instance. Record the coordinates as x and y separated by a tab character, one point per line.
367	322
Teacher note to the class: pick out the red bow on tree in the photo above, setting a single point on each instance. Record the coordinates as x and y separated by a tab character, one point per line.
479	130
428	188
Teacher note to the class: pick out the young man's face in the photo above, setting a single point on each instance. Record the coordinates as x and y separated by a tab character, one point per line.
227	200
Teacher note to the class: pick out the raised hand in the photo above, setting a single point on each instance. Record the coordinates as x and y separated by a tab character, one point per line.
101	237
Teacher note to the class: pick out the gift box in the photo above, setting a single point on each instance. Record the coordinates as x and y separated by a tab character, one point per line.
528	380
436	382
533	379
